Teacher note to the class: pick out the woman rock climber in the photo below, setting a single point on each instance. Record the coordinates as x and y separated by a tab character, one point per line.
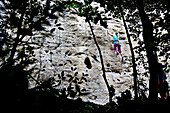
116	42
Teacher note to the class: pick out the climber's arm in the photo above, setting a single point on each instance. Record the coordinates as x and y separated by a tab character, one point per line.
109	34
120	38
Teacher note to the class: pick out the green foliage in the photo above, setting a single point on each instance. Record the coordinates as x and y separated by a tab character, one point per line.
74	88
85	9
18	22
20	19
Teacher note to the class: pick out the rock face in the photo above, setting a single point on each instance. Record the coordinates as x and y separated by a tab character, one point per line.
71	46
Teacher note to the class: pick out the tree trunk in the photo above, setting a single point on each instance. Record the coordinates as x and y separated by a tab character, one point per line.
102	63
132	53
150	50
17	39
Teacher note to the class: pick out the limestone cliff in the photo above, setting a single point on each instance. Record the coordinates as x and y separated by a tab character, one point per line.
70	43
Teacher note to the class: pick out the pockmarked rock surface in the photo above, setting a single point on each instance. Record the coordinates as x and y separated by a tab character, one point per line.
67	47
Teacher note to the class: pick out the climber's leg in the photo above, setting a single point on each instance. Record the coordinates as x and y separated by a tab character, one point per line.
119	48
115	45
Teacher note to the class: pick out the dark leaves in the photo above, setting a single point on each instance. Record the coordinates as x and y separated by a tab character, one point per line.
26	32
88	63
52	30
37	26
60	28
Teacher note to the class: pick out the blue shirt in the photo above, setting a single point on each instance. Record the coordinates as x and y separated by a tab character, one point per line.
116	39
